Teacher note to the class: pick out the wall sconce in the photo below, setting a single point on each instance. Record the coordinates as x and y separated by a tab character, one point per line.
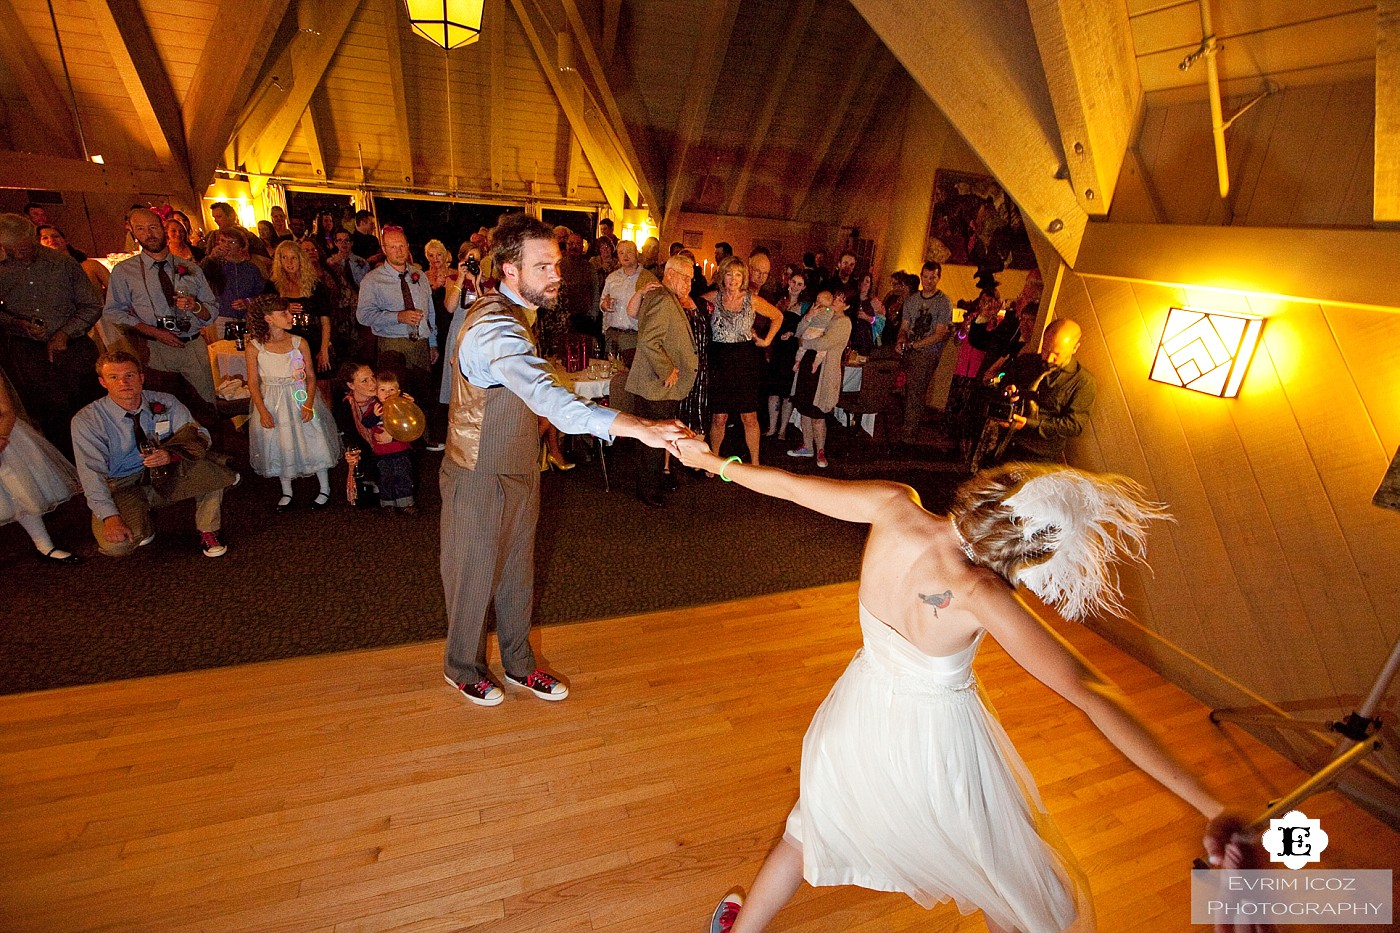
1206	351
449	24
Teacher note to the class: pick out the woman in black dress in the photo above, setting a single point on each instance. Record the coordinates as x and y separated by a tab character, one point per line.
296	279
782	353
736	354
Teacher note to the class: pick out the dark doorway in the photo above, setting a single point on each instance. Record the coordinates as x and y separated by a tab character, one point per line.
308	205
584	223
452	222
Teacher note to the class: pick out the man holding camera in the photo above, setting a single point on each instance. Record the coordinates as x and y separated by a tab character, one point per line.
1054	397
166	300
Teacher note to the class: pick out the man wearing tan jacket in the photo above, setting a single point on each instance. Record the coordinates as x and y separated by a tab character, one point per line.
664	369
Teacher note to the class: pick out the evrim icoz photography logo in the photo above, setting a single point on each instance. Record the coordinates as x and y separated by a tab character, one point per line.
1294	840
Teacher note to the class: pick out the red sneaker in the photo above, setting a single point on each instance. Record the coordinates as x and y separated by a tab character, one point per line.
722	921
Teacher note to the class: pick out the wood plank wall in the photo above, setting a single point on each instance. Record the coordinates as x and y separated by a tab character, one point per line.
1279	579
1303	157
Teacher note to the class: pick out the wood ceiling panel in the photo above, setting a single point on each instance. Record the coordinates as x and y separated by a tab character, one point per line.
659	46
1290	42
179	30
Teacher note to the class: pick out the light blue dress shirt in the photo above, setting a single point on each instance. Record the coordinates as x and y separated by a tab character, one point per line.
381	299
497	351
104	444
134	295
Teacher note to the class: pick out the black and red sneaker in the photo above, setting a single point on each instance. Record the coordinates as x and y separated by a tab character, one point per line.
482	693
541	684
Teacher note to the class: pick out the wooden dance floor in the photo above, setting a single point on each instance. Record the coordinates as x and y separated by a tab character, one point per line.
357	792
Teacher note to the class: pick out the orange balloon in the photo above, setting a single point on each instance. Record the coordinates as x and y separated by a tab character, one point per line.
403	420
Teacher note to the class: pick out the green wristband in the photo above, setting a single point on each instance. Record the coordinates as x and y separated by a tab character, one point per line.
726	466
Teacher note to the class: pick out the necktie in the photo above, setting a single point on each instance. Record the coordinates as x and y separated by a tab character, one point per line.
408	302
137	431
167	286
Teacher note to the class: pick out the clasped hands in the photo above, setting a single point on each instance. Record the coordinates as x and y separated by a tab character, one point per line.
674	437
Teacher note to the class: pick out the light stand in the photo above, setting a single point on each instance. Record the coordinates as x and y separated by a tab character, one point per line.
1352	740
1360	737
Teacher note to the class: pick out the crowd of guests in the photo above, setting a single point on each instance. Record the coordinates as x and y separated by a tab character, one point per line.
334	316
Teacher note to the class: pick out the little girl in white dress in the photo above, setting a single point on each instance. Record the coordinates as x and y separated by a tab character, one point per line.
34	479
292	433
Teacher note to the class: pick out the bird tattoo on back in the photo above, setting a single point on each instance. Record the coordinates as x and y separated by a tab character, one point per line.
938	600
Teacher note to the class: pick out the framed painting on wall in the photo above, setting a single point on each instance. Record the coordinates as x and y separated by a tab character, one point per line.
975	223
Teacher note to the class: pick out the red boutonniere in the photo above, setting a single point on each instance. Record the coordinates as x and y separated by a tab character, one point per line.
182	269
414	278
157	408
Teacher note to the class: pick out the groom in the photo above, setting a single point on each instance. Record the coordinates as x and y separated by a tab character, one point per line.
490	475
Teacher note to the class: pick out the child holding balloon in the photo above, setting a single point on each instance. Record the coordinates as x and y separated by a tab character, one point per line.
293	433
390	453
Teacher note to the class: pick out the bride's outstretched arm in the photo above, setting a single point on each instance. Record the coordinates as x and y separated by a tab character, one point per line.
848	500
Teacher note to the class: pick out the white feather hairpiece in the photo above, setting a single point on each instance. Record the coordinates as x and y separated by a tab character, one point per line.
1088	522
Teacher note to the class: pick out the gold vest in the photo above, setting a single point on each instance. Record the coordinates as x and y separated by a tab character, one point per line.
490	429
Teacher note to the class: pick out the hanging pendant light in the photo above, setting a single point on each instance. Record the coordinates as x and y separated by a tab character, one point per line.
449	24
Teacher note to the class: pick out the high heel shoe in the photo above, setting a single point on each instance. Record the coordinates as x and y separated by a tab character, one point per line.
559	464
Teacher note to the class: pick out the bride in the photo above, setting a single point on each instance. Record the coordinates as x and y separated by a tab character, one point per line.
908	782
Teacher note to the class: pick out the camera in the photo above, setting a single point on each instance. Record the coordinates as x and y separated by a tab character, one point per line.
1009	404
168	322
473	265
236	331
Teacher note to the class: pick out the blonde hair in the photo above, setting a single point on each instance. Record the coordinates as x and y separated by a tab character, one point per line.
1056	530
306	278
435	247
733	262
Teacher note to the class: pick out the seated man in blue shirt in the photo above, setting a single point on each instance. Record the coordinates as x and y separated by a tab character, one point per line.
115	441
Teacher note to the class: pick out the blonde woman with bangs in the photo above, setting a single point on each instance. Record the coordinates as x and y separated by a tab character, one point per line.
296	279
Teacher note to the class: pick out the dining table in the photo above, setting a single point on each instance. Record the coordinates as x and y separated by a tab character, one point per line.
593	383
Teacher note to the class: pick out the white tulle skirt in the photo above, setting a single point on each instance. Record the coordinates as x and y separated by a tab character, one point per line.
34	477
915	788
291	447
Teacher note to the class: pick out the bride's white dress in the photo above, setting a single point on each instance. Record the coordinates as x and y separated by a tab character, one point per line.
909	783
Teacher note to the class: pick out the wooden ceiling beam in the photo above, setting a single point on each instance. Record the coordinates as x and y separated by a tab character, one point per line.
311	121
47	171
717	24
1248	259
393	44
278	105
856	79
50	105
1386	203
601	146
127	36
1090	64
777	78
617	126
238	46
995	96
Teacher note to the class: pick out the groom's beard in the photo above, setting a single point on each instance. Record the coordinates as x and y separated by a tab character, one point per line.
542	298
